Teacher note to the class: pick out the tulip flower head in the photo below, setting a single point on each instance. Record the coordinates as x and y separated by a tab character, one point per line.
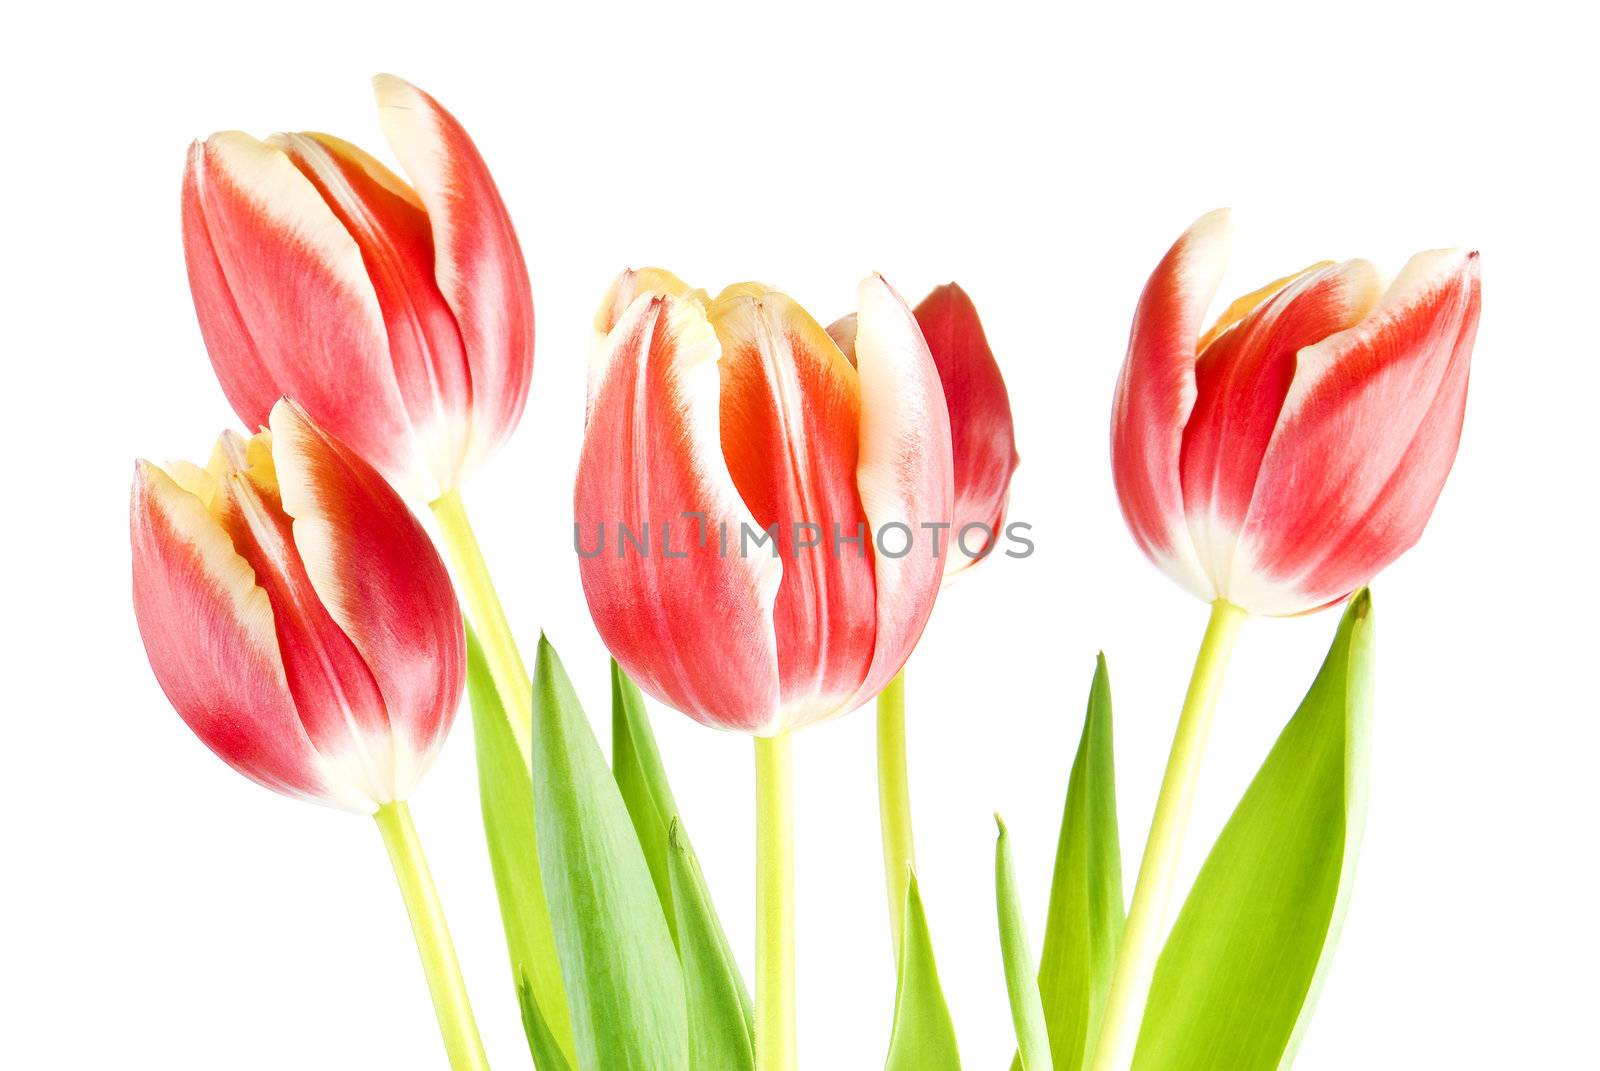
1283	457
714	421
398	315
297	615
983	440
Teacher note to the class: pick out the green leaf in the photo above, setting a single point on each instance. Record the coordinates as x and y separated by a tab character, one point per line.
721	1020
506	797
924	1038
1234	987
1022	987
623	981
1084	925
547	1055
642	780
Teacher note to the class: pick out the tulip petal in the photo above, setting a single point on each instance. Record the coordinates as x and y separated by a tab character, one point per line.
791	416
391	229
843	333
628	285
904	473
239	363
283	298
982	437
1368	433
478	262
694	628
334	692
1241	381
1239	308
374	568
209	631
1156	393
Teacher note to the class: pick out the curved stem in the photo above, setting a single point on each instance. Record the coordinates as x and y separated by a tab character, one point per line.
894	802
775	1014
449	991
488	617
1147	917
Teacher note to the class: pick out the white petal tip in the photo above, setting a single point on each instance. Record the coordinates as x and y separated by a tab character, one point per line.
391	89
1213	230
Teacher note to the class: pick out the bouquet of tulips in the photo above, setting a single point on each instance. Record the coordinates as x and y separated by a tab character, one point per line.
765	511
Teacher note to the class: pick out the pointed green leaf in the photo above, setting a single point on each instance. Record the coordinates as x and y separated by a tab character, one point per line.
1084	925
1234	987
1022	986
721	1020
924	1038
623	982
506	797
643	782
547	1055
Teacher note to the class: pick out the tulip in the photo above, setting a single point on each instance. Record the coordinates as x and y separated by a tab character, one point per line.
714	421
709	420
400	317
301	623
983	447
1282	458
1273	464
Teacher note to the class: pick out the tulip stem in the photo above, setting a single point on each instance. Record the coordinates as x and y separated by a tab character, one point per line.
488	617
1147	917
532	936
894	802
775	1009
449	991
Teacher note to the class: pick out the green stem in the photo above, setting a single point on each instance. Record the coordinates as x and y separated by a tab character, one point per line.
529	933
449	991
894	802
775	1016
488	617
1147	917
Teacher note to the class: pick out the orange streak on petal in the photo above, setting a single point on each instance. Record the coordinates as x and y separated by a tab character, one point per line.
790	414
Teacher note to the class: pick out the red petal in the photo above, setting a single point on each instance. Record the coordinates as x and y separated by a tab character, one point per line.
695	631
285	303
1242	379
478	263
241	369
209	632
1156	393
982	438
334	692
378	575
1368	433
389	225
790	421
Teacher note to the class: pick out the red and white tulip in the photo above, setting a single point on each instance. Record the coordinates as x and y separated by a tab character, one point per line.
709	418
297	615
398	315
1281	458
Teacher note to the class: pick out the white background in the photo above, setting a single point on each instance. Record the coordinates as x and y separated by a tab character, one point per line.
158	909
